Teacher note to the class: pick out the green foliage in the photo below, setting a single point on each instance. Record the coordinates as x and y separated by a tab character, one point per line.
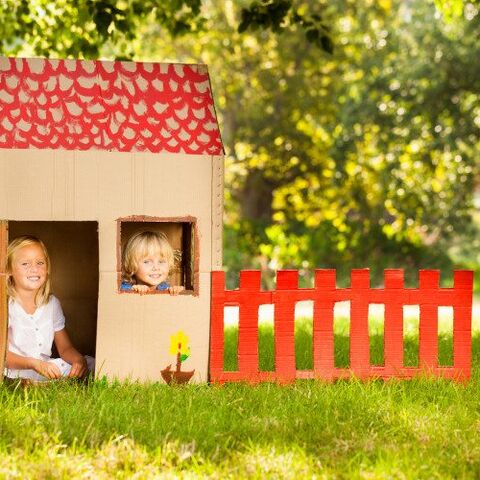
276	14
83	28
452	9
368	158
362	159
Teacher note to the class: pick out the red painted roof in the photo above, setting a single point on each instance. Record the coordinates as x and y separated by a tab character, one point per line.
114	106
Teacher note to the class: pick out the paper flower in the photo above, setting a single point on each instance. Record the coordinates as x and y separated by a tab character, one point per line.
179	345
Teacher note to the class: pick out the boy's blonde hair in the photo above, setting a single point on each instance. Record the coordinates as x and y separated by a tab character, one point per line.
140	246
14	246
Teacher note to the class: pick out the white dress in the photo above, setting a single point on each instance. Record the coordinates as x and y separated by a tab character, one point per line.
31	335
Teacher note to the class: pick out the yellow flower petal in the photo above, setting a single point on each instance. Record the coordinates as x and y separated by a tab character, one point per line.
179	343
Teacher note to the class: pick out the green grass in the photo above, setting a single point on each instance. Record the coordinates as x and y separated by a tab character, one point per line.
421	428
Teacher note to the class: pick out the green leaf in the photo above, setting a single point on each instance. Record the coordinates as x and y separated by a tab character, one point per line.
326	44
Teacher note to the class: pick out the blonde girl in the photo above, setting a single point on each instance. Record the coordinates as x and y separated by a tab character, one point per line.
146	264
35	318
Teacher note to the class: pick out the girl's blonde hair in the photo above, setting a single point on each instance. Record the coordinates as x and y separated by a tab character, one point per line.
141	245
14	246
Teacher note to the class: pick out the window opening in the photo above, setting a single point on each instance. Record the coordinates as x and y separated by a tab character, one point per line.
181	235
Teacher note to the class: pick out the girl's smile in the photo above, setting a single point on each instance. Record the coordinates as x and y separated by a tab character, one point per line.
29	269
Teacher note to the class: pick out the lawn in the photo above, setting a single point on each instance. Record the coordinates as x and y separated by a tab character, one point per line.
422	428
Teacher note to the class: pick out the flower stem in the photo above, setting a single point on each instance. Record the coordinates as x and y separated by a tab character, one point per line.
179	362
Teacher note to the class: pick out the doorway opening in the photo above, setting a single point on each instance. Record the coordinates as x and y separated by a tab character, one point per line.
73	250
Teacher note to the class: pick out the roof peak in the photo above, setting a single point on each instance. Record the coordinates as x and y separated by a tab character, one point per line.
107	105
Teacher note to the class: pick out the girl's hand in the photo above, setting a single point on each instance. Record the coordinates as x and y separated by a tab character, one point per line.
79	368
175	290
47	369
141	289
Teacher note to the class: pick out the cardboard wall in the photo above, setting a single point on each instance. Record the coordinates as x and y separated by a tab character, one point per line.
133	331
218	177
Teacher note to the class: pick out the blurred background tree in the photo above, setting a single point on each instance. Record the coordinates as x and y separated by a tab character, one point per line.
351	128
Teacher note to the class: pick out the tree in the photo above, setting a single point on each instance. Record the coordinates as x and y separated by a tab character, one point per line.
403	148
366	158
81	28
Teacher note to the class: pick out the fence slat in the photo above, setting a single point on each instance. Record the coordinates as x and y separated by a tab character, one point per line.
359	338
250	284
284	324
393	329
323	337
462	323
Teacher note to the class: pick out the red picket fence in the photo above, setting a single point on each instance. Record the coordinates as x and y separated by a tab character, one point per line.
429	296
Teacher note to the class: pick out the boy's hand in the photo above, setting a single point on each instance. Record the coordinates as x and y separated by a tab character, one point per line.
79	368
141	289
47	369
175	290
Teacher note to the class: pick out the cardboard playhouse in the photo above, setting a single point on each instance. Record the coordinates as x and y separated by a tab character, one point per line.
90	153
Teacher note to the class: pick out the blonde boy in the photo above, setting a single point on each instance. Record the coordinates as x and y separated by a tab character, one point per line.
146	264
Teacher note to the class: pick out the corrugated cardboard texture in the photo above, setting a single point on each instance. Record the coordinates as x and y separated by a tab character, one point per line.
105	186
45	185
217	212
134	340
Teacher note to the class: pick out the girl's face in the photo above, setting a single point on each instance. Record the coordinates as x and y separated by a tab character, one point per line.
152	270
29	268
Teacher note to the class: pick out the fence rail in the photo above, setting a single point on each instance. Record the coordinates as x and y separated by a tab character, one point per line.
428	296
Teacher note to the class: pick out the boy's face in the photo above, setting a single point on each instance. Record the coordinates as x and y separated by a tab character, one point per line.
152	270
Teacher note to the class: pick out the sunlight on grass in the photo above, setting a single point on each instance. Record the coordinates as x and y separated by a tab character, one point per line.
345	429
304	334
341	331
230	332
376	326
411	322
303	430
445	336
266	340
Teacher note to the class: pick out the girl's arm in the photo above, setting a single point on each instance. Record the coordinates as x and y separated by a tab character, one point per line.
68	352
19	362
